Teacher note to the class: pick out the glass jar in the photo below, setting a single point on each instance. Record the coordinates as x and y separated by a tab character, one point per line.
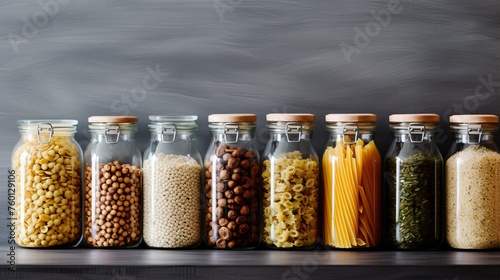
413	190
290	173
171	183
472	183
113	183
48	184
232	183
352	183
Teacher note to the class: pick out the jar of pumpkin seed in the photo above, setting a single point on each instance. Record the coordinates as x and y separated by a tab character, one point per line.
413	217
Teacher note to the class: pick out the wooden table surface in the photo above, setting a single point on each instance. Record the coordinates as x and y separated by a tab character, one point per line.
84	263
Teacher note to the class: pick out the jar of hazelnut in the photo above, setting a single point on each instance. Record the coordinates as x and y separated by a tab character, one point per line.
113	182
172	183
232	183
290	179
45	185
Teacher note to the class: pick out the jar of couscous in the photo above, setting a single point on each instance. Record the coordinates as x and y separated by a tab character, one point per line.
473	183
171	183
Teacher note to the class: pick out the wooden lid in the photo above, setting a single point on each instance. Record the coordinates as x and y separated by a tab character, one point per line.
409	118
232	118
290	117
113	119
362	117
474	119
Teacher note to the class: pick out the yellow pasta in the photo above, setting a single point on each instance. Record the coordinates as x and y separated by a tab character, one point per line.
351	177
291	220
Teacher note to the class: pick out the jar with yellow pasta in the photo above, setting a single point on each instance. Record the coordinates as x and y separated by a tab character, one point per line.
48	184
290	174
351	183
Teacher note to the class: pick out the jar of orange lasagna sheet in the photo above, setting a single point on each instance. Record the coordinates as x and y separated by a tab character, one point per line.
351	183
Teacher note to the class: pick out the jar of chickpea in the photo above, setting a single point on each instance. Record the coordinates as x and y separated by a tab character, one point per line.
48	182
113	182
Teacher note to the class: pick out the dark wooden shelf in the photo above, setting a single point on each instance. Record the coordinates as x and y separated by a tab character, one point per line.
125	264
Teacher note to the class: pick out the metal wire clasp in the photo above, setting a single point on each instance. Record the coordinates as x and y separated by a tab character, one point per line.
231	129
474	129
295	130
168	130
110	131
40	128
350	127
416	129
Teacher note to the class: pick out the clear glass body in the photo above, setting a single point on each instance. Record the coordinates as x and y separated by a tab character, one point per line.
232	188
171	187
472	192
352	191
290	178
48	185
413	206
113	187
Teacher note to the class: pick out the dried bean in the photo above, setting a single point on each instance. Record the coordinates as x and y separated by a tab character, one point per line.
121	227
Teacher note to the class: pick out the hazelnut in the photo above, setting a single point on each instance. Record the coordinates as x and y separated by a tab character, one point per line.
247	194
239	153
250	154
242	229
221	187
231	184
226	234
229	194
232	226
245	164
224	175
235	177
239	200
232	214
233	163
241	219
238	190
221	150
223	222
245	210
221	243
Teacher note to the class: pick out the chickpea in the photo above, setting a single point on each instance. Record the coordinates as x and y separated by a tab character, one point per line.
112	216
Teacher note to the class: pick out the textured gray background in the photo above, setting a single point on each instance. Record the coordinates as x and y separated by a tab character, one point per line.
82	58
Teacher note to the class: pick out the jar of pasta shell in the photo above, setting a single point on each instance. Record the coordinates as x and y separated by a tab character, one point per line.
113	183
47	178
290	174
232	184
352	191
472	183
171	183
413	194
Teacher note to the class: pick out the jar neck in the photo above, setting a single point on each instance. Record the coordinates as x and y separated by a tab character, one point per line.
365	136
405	136
101	136
290	137
486	137
179	135
45	137
241	136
